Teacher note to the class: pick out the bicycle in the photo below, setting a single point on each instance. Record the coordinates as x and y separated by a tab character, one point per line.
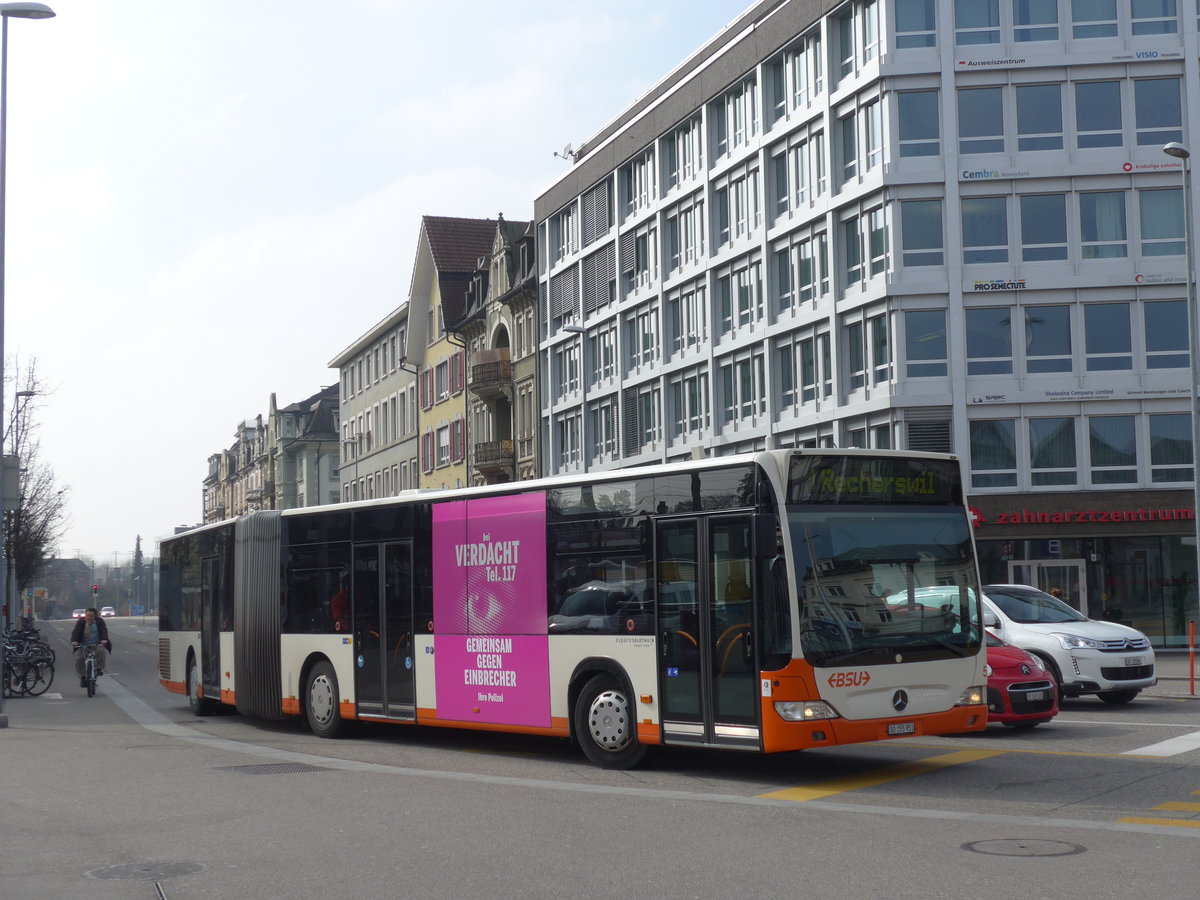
89	667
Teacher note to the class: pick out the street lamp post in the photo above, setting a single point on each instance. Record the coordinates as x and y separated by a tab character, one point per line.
7	11
1180	152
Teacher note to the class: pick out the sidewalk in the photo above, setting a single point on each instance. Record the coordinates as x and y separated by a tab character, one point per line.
1174	677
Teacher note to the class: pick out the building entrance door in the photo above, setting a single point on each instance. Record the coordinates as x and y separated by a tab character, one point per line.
1065	578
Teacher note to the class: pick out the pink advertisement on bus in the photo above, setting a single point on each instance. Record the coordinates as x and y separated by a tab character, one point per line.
489	610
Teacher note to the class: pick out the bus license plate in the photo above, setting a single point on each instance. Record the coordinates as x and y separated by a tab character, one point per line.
903	728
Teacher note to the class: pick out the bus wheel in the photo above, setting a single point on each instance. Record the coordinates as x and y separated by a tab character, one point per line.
605	725
322	702
200	706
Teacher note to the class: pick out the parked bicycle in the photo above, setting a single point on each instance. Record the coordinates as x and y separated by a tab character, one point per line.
28	667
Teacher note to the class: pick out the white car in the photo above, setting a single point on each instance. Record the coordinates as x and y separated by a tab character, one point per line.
1109	660
107	611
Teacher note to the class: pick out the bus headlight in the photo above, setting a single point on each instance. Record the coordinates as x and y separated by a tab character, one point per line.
972	696
804	710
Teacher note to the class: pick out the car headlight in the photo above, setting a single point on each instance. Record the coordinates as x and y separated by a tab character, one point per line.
804	710
1075	642
972	696
1037	661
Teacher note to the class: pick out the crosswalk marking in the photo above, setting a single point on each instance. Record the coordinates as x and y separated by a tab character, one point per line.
1171	747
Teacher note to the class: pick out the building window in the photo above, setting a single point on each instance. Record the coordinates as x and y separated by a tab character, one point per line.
1098	114
1157	111
925	343
785	365
641	336
1154	17
872	115
1162	224
566	367
881	351
602	424
812	257
981	120
1113	449
806	65
602	354
916	25
848	129
564	234
1107	340
637	183
1102	225
920	129
1166	324
976	22
568	440
877	240
856	356
443	446
985	230
1094	18
743	388
687	313
921	232
689	404
442	380
1039	117
1170	447
1035	20
682	153
684	236
734	118
1047	339
989	341
993	454
852	246
739	297
1043	227
1052	452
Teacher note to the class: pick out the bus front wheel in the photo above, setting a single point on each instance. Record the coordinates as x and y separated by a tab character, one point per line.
605	724
322	701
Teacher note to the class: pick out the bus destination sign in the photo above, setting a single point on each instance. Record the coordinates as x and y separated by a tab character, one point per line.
872	479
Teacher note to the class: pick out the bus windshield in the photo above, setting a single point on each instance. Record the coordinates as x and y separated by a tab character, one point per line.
884	584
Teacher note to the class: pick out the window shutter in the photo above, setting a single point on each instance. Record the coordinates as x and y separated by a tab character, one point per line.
460	370
599	277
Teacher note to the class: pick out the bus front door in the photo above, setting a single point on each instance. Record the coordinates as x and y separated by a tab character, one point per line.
708	677
383	633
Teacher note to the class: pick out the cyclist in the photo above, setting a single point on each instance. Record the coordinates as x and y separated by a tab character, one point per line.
91	629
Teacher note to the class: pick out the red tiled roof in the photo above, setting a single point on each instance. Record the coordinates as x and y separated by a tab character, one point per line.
457	244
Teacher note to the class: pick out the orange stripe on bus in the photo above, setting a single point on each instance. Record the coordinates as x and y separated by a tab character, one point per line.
648	733
228	697
175	687
559	726
290	706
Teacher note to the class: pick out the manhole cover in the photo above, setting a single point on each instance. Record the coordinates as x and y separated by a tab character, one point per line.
1024	847
273	769
147	871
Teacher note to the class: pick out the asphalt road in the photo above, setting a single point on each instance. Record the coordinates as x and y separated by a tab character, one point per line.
1102	802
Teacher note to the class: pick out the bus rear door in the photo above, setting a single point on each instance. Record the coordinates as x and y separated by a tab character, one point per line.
708	680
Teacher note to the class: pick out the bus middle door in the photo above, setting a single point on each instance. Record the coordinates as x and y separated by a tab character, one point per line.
383	633
211	591
708	675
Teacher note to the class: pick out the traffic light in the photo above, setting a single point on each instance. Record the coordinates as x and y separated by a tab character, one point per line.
95	591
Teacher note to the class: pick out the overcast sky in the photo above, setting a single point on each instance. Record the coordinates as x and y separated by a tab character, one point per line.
209	201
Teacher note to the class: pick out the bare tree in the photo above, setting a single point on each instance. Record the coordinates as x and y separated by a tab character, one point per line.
37	522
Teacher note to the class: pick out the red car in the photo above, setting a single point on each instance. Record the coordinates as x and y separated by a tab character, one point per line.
1020	692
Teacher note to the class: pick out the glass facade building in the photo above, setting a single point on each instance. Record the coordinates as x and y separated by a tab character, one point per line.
928	224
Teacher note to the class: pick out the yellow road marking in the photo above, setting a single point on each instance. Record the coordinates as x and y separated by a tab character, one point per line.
1178	823
880	776
1180	806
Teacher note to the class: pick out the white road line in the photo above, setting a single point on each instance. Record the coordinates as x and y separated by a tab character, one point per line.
1172	747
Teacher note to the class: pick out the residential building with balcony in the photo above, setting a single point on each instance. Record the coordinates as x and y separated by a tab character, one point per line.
499	329
236	476
448	253
916	224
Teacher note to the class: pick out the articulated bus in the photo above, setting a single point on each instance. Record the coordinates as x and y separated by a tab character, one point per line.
775	601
